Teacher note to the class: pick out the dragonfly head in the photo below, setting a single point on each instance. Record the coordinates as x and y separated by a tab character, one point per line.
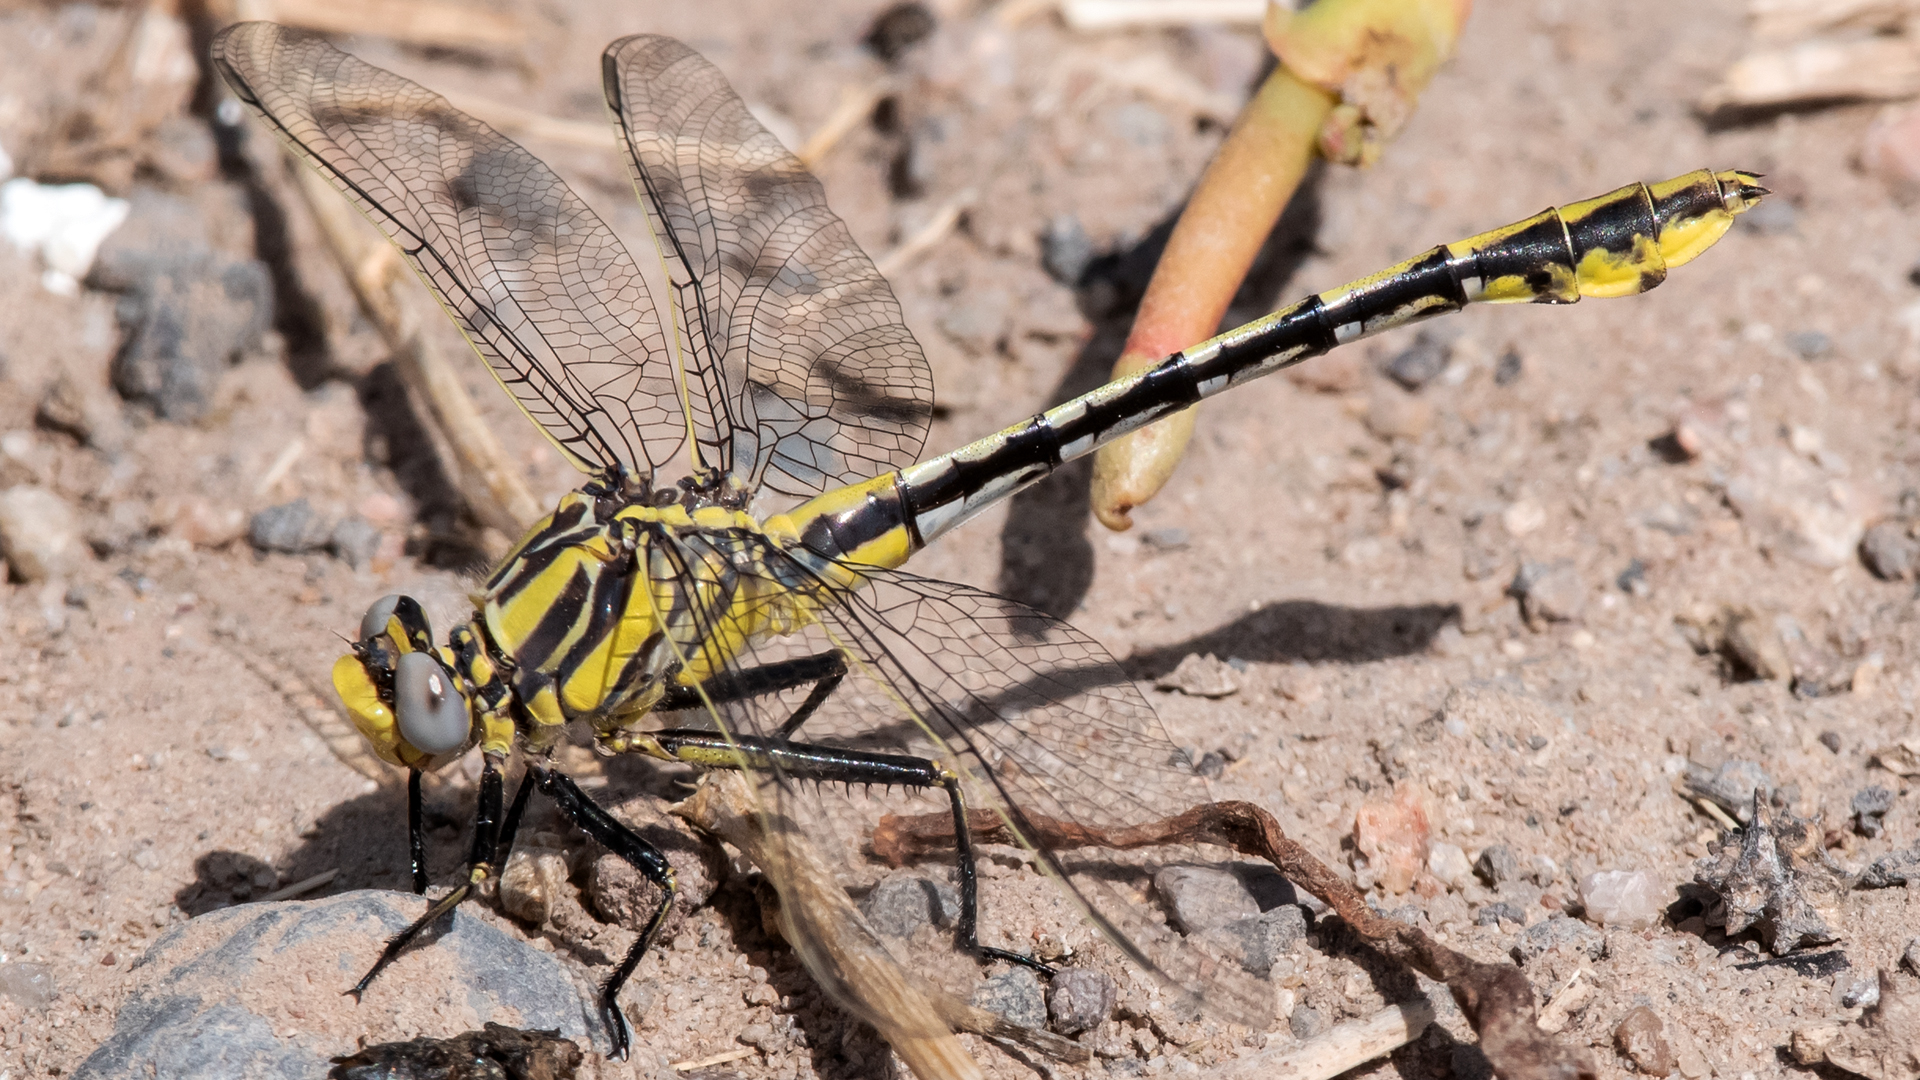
402	696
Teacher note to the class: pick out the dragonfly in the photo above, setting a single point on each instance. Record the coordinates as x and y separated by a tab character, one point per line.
759	599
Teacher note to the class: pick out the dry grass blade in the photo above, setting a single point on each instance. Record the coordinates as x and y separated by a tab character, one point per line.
1344	1047
1496	998
842	951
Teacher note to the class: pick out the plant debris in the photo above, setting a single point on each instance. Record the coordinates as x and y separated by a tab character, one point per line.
1497	999
1776	879
497	1052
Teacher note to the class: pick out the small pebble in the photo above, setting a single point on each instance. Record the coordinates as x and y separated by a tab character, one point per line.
29	986
1891	550
1549	593
1498	912
758	1036
1641	1040
898	29
1307	1021
1830	740
531	881
1911	957
904	903
1809	344
1166	538
1633	580
1630	899
1201	898
39	533
354	540
1066	250
1391	837
1555	931
1498	865
1014	994
1509	369
1863	994
1261	940
1870	806
1424	360
1201	676
1449	864
1081	999
290	527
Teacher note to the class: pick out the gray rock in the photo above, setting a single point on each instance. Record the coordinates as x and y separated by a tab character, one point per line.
1260	940
898	29
1081	999
1307	1021
1549	592
39	533
1891	550
1557	931
184	325
1911	956
1423	361
1498	865
1509	368
1501	911
290	527
1809	344
1201	898
1016	995
1731	787
1065	249
1870	806
623	895
354	540
1892	870
904	903
255	990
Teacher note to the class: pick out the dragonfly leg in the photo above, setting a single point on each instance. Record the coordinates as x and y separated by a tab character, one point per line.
416	833
481	863
966	931
824	670
638	853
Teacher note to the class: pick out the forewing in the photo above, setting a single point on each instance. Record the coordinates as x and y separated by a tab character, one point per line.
1033	715
548	296
802	375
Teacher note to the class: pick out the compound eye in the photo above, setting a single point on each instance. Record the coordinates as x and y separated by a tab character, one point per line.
431	712
374	622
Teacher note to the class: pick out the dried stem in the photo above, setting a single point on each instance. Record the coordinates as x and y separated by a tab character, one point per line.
1496	998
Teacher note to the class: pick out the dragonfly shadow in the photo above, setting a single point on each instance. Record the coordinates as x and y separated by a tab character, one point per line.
1046	558
1310	631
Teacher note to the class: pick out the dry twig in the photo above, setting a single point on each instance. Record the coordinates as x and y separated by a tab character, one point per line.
1496	998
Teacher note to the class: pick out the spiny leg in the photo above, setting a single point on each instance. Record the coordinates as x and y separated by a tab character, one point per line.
638	853
966	932
793	761
824	670
481	863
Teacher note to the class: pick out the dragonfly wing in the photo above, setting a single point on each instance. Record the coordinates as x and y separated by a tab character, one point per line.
1033	715
802	375
546	293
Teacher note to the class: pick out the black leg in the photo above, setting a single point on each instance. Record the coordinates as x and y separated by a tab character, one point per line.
824	670
638	853
966	931
485	843
416	833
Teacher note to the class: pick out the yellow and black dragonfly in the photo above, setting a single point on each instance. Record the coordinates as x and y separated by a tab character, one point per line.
759	595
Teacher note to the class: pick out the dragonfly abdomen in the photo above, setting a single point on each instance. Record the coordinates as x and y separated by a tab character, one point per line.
1618	244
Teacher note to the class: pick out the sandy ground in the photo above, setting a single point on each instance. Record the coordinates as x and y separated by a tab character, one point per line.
1351	543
